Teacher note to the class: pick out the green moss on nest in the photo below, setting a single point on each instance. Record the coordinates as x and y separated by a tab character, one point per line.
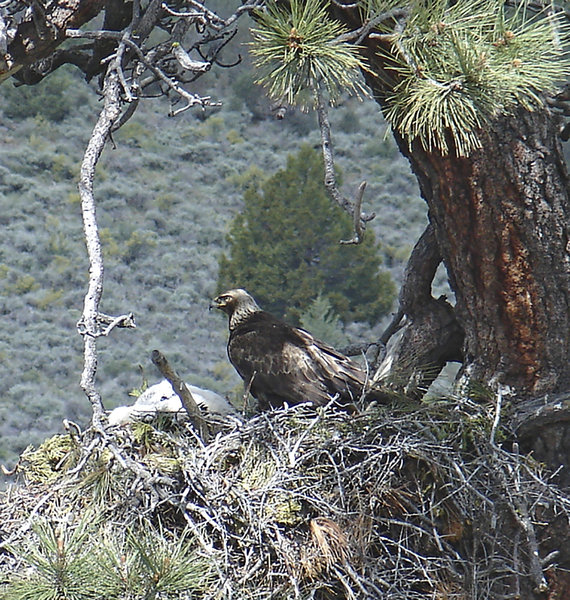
46	463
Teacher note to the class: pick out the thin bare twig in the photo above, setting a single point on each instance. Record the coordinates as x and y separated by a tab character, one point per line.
109	323
359	35
497	418
352	208
521	514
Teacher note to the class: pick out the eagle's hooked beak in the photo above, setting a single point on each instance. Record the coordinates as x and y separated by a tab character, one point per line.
216	303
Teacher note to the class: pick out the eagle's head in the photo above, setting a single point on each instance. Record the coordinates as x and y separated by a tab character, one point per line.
237	304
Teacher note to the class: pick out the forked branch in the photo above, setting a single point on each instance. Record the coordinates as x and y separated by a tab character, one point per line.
354	209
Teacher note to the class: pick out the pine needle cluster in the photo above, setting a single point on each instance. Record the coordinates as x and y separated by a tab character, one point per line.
458	64
90	560
462	64
298	47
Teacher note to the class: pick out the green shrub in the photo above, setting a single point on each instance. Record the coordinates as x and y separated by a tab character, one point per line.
89	560
284	247
22	285
138	244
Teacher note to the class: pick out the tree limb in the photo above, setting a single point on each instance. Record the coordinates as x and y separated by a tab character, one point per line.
428	334
107	118
178	385
537	413
105	324
360	34
352	208
31	43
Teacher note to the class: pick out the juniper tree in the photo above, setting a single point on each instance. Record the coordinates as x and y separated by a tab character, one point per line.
284	247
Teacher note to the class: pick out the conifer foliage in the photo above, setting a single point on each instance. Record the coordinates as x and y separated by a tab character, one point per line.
456	64
462	63
298	47
284	248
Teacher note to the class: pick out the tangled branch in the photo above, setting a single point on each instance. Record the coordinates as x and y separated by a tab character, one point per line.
400	503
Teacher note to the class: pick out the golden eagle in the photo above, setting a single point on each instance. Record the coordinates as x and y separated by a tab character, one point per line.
281	363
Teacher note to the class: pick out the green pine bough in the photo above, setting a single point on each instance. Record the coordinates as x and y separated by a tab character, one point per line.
457	66
295	47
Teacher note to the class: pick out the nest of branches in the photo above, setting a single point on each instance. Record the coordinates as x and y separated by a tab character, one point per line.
415	502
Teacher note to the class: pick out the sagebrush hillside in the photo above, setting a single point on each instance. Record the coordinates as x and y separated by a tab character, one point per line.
166	193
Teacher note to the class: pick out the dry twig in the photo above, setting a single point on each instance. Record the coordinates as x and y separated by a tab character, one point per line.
403	504
354	209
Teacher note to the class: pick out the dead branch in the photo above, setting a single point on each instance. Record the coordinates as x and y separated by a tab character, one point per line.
497	419
101	132
188	402
126	65
352	208
521	514
105	324
29	43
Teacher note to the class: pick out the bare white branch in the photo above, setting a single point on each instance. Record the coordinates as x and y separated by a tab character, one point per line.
107	118
352	208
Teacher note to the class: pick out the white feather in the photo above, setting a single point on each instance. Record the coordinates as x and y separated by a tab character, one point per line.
162	398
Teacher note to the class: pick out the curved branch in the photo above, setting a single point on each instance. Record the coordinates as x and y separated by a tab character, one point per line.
420	271
352	208
428	333
101	132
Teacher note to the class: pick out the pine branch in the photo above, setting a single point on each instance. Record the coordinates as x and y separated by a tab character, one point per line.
296	47
461	65
352	208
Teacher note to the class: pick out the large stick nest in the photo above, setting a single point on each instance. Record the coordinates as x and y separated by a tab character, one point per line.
304	503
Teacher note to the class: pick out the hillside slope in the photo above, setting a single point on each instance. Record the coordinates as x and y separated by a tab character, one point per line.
166	193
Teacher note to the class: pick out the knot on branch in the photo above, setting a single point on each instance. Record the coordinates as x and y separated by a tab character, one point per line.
104	324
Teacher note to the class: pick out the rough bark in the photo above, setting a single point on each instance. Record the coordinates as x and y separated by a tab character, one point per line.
501	219
40	32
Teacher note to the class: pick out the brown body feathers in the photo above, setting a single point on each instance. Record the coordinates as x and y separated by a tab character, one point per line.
285	364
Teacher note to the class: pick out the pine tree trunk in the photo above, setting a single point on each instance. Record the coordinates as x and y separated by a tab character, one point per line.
502	218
